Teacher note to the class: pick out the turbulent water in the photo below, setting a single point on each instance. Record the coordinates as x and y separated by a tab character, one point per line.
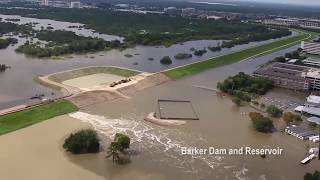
163	143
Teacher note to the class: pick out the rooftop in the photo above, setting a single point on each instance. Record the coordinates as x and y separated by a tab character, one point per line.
313	73
313	99
312	110
288	71
314	120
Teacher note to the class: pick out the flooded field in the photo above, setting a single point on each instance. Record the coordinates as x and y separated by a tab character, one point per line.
24	69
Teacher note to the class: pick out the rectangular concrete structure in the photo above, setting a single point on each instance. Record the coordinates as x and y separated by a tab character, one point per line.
176	109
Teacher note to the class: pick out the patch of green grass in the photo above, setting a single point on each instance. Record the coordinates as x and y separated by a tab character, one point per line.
63	76
215	62
21	119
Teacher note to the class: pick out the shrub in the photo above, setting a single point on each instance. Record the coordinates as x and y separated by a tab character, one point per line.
236	101
313	125
166	60
243	96
290	117
255	103
262	105
214	48
254	116
183	56
263	124
83	141
200	52
274	111
314	176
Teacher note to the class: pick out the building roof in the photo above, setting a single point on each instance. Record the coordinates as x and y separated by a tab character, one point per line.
314	120
313	99
312	110
313	73
283	70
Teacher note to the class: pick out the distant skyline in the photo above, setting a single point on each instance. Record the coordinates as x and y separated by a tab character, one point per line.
298	2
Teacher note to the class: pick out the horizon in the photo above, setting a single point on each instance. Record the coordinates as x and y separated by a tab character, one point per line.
291	2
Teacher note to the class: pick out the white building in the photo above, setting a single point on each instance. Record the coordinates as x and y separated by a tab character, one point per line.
313	77
313	99
310	47
306	23
75	4
312	62
44	2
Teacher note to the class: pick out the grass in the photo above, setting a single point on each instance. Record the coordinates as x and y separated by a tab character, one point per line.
191	69
63	76
52	86
21	119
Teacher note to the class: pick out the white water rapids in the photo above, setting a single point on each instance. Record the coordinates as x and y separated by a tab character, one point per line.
163	143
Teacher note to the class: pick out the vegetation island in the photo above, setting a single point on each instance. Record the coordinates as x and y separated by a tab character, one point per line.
65	42
180	56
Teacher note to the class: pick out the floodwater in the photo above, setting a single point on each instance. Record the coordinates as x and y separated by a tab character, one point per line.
221	125
24	69
156	151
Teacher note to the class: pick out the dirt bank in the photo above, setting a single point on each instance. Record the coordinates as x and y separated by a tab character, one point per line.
162	122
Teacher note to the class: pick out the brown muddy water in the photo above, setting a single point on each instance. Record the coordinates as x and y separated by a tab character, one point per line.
35	152
221	125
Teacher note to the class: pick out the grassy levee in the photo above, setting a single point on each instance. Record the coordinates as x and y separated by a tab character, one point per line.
28	117
191	69
39	81
63	76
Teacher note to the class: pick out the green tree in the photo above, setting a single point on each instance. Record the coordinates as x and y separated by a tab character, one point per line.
314	176
237	101
166	60
274	111
120	143
263	124
83	141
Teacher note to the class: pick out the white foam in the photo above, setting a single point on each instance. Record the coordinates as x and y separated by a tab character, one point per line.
163	143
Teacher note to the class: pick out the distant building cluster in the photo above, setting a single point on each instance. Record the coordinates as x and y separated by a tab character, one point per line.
202	14
290	76
305	23
60	3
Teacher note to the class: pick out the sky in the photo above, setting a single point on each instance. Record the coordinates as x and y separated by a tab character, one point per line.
300	2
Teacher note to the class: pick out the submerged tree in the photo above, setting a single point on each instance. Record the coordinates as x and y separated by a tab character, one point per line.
83	141
314	176
120	143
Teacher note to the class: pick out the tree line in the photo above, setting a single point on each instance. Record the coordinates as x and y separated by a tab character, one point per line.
157	29
65	42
